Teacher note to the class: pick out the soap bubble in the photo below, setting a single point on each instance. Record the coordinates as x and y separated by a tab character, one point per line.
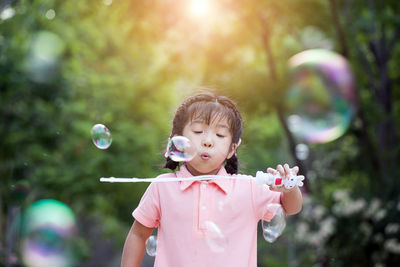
151	245
274	222
48	228
215	240
101	136
180	148
321	99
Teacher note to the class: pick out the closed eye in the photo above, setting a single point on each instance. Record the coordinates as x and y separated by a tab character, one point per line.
220	135
198	132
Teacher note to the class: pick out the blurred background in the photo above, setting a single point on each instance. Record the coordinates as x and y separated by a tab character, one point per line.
316	81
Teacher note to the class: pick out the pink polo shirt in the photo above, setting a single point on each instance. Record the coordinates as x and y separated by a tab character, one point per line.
180	210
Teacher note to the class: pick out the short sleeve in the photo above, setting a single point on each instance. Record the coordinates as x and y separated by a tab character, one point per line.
148	210
262	196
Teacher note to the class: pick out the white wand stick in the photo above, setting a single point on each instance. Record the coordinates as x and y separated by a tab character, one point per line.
261	178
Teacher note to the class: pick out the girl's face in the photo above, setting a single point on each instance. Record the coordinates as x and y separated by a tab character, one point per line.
213	143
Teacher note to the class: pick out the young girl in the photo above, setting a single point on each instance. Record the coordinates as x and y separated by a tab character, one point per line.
180	210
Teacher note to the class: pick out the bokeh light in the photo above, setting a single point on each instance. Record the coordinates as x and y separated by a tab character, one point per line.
107	2
151	245
45	51
180	148
321	99
101	136
50	14
274	222
302	151
7	13
199	8
215	239
48	229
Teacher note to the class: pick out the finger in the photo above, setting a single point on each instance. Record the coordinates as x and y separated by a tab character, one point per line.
295	170
286	166
271	187
271	171
287	169
281	170
274	188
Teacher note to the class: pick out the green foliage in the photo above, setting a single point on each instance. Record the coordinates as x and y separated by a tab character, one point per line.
67	65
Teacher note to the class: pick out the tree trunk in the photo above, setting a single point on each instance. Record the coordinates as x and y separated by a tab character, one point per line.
266	37
338	28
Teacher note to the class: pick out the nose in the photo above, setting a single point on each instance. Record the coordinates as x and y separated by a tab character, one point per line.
207	141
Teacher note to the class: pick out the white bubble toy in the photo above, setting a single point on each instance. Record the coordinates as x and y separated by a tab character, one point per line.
277	180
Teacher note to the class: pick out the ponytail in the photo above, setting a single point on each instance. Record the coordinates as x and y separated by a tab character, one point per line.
170	164
231	165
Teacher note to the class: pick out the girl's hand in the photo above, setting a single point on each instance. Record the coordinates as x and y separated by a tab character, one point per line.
284	171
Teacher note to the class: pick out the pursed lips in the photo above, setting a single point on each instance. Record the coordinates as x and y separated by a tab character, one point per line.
205	156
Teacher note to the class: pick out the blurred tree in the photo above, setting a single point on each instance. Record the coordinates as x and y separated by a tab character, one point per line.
67	65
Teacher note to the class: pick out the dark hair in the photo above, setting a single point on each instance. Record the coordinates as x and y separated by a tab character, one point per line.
208	107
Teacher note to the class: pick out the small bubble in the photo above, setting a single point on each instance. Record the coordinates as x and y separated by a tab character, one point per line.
214	237
101	136
151	245
274	222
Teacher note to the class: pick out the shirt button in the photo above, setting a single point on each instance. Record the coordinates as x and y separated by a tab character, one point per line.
203	208
204	186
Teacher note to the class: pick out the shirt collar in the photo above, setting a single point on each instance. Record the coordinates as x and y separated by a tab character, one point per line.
223	184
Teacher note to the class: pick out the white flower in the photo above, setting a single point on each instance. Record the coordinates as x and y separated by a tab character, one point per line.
392	245
392	228
379	215
315	239
349	208
327	226
302	230
319	211
373	208
341	195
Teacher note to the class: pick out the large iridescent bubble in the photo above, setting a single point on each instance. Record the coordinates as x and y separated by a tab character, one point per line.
48	231
321	98
180	148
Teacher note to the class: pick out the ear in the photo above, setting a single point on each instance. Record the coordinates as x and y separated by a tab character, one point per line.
233	150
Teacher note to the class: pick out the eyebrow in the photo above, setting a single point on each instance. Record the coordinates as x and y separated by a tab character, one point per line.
202	122
223	126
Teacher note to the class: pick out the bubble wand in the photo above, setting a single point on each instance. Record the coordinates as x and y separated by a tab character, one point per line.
180	149
261	178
